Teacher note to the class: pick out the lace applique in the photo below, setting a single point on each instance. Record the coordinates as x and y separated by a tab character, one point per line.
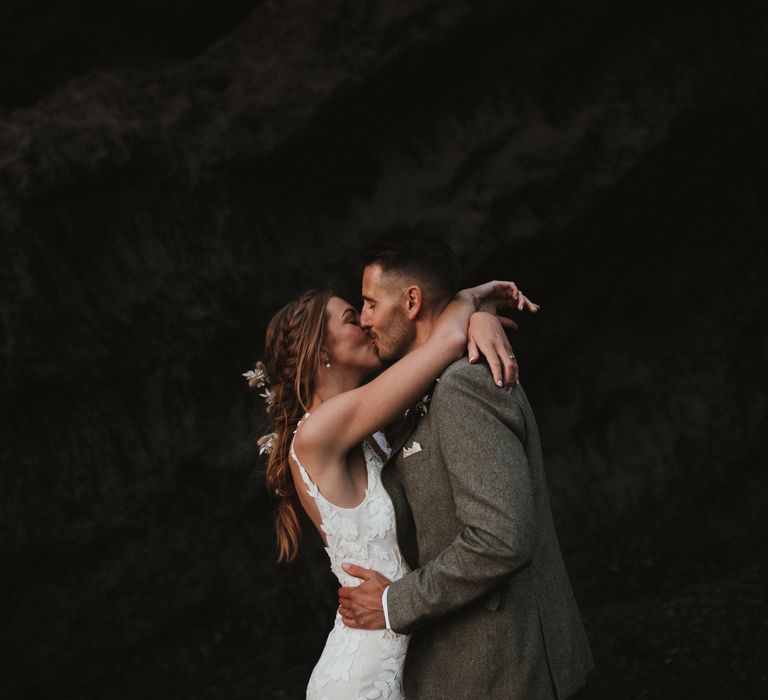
360	664
380	518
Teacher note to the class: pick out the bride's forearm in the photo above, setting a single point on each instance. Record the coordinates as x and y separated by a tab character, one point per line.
450	329
452	324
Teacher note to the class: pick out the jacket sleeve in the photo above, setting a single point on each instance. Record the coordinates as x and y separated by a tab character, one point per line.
480	434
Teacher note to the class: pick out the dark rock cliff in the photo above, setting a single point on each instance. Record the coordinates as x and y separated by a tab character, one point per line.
169	177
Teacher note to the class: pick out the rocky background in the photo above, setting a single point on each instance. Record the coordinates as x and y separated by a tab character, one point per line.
171	173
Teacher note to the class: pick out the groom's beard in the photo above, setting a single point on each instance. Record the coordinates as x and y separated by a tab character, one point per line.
398	340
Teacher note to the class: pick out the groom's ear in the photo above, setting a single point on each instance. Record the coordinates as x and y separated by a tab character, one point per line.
413	299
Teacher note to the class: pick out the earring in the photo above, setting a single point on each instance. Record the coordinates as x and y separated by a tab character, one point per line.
328	364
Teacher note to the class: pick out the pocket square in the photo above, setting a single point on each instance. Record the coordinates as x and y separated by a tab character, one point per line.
412	450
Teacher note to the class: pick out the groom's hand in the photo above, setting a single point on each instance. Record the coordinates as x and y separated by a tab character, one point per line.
360	606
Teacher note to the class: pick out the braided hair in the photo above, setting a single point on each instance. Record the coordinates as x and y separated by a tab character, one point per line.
293	346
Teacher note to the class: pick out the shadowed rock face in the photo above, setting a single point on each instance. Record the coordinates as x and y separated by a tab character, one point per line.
160	198
42	47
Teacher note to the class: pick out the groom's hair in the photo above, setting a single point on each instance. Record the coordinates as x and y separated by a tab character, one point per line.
420	255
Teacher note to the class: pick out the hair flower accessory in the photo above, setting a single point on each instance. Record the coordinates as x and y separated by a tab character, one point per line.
268	396
266	442
257	377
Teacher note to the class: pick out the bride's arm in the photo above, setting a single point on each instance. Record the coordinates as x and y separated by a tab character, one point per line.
486	337
345	420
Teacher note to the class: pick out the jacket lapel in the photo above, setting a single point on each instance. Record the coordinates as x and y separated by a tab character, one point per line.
397	434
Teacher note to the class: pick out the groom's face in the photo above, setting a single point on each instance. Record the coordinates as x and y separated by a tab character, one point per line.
383	314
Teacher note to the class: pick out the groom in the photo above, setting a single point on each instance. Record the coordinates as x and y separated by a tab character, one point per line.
489	602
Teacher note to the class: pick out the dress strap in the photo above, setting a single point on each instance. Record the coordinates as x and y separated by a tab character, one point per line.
314	492
305	477
380	445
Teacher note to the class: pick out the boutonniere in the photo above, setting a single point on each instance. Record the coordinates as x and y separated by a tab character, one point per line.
422	406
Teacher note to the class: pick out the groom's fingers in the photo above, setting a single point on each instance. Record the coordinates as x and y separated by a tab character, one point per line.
352	598
358	571
359	600
365	620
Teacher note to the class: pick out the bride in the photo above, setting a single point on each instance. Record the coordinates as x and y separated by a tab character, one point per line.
325	454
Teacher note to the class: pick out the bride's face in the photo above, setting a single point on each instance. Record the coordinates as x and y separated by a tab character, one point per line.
347	344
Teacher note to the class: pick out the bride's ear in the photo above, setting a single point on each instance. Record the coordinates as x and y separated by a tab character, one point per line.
413	299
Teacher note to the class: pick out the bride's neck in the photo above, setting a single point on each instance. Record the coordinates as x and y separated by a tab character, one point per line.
331	384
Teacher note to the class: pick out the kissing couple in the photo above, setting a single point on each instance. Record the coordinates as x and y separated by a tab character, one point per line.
426	485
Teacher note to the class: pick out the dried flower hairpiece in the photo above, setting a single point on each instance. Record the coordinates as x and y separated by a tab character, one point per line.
269	397
257	377
266	442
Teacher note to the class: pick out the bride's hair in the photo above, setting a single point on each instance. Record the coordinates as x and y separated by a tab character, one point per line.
292	355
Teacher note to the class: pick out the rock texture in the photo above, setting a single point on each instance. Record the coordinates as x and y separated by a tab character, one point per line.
160	198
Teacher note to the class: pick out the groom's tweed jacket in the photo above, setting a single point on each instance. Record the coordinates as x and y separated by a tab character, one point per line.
489	602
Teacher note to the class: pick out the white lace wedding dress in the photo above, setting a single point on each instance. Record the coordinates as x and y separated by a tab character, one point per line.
360	664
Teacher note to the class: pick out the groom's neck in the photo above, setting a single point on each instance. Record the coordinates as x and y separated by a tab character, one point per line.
423	331
425	323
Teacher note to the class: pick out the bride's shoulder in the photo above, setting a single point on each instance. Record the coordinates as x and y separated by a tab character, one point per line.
310	433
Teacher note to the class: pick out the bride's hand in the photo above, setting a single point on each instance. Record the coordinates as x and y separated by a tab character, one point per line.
485	334
486	337
496	294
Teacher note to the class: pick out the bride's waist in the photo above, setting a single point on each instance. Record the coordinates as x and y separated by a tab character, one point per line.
340	628
393	569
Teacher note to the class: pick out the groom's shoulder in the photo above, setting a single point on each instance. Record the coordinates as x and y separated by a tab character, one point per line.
462	375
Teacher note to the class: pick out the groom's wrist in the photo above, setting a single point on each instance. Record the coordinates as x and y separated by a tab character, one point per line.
385	608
